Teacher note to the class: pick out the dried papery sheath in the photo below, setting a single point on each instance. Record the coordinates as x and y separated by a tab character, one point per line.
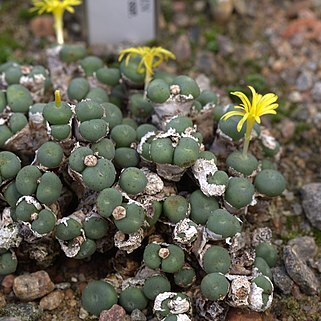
144	273
60	72
239	292
176	303
210	310
201	170
30	200
185	232
36	86
132	282
269	142
36	120
170	172
9	231
25	142
72	247
181	317
260	235
208	234
237	211
242	254
258	300
129	242
155	183
176	104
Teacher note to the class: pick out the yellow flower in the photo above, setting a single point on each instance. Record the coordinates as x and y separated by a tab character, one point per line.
57	8
252	111
151	57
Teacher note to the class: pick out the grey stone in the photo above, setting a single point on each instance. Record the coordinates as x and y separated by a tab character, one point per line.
204	62
225	46
304	81
20	312
32	286
281	279
311	202
137	315
305	247
182	48
115	313
181	20
299	272
316	91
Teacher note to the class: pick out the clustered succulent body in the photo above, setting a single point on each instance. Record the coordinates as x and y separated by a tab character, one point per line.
114	162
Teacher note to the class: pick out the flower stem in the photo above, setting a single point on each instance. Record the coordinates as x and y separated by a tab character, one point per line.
57	98
249	126
58	16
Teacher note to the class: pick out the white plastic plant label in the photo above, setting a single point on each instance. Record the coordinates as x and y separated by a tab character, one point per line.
117	21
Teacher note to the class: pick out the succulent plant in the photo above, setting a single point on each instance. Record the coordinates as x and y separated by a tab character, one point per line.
67	229
239	192
78	89
222	223
171	258
107	200
240	163
19	98
155	285
88	109
175	208
98	95
123	135
95	227
87	249
91	64
99	176
202	206
49	188
50	155
10	165
129	217
57	112
132	180
126	157
262	267
93	130
169	303
166	146
269	182
158	91
44	223
97	296
186	152
108	76
140	107
71	53
133	298
8	263
268	252
185	277
187	85
215	286
216	259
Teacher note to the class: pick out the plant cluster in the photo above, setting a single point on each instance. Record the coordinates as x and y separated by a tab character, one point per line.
122	159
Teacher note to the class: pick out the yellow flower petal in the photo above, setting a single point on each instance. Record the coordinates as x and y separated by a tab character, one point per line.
151	57
241	122
232	113
243	98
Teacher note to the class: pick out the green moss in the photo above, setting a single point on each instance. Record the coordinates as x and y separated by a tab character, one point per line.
307	308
